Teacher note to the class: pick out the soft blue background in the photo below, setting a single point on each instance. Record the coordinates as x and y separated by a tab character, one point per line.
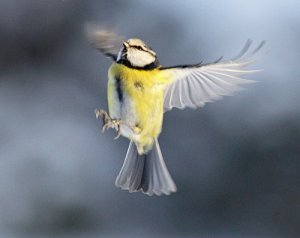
236	162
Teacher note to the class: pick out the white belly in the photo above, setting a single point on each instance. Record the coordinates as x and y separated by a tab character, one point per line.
123	109
128	113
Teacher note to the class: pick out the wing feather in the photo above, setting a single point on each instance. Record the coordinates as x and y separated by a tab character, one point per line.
195	85
187	95
104	39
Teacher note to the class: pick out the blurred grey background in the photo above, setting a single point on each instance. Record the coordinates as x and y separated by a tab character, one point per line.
236	162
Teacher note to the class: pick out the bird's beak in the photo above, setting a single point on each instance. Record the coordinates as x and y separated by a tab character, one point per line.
125	44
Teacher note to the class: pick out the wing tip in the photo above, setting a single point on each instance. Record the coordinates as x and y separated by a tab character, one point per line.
246	48
103	38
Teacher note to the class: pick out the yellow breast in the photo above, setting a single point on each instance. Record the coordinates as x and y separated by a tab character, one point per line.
141	99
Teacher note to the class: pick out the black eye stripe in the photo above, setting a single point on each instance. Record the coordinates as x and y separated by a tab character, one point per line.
145	49
138	47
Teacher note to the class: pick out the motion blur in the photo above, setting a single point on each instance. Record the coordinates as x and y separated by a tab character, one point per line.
236	162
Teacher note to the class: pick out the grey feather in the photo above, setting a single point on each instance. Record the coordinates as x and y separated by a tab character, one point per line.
195	85
104	39
146	173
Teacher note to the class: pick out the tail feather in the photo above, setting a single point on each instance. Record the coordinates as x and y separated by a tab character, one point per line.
132	170
147	173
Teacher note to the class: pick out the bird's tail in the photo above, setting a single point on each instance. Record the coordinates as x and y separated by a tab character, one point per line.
147	173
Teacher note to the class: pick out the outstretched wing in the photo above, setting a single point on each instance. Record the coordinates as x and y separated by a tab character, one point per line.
105	40
194	85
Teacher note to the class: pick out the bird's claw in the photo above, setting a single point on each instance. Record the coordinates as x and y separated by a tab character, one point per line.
118	132
108	122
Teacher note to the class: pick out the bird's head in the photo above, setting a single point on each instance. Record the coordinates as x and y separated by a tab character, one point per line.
136	54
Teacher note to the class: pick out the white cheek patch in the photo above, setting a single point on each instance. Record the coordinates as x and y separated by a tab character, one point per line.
139	58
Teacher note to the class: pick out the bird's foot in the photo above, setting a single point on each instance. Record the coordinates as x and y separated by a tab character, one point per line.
108	122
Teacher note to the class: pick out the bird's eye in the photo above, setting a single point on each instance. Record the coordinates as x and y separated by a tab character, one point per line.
139	48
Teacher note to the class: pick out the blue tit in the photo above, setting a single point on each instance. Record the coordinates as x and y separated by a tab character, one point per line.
140	91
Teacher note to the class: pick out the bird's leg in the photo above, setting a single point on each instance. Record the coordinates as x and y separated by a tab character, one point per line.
135	130
108	122
104	115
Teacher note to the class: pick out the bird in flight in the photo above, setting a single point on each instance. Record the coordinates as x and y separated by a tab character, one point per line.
140	91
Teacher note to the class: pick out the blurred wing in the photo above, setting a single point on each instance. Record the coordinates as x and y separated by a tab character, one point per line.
194	85
105	40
